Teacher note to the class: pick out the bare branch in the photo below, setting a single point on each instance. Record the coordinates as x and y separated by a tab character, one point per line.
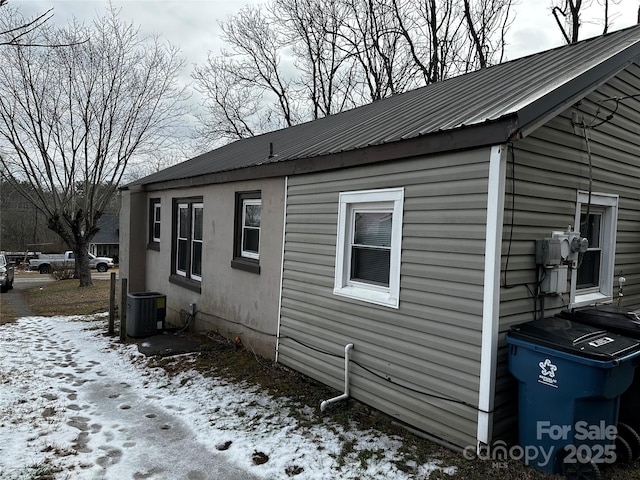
567	18
72	118
303	59
15	33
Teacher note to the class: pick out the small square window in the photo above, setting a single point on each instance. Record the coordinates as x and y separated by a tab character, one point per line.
248	221
369	246
251	211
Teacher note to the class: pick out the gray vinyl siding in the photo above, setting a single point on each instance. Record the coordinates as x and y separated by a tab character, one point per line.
550	166
432	342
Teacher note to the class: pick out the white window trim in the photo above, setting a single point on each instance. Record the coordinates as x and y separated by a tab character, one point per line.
390	199
245	253
194	207
156	220
604	294
182	273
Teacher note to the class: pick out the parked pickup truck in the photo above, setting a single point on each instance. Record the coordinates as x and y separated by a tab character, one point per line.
45	263
6	274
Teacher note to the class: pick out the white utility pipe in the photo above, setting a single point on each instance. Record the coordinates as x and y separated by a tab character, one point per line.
345	395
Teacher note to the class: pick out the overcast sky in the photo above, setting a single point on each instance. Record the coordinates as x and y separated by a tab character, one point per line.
192	25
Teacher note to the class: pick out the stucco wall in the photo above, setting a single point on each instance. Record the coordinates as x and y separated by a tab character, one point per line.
133	216
232	302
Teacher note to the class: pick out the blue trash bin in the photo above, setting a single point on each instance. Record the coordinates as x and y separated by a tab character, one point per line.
623	321
570	379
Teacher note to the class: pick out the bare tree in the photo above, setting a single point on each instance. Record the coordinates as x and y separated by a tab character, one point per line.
568	15
487	22
233	111
258	47
247	90
14	34
159	159
303	59
72	118
17	31
427	31
378	49
312	28
23	227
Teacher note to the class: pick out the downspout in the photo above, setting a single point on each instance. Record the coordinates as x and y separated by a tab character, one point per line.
491	297
345	395
284	232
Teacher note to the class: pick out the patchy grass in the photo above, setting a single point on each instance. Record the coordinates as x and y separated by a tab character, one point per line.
43	470
7	312
65	297
221	357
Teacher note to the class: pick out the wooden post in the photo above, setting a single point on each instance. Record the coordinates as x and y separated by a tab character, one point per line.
123	310
112	303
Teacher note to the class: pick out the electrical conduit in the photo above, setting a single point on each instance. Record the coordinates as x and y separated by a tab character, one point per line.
345	395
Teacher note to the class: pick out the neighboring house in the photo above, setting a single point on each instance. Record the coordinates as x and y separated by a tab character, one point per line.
106	243
407	228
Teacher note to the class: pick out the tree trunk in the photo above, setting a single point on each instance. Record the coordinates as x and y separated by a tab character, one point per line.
83	270
72	229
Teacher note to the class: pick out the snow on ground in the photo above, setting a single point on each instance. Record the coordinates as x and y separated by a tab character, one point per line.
88	406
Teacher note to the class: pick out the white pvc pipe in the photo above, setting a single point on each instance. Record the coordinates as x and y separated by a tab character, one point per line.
284	234
345	395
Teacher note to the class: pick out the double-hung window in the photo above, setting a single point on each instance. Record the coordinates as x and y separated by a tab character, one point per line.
188	238
369	246
588	273
154	223
592	281
251	212
196	241
248	220
182	239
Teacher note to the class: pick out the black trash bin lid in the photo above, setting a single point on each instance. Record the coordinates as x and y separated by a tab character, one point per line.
608	317
575	338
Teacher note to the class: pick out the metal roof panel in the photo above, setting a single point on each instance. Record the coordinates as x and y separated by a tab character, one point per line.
455	104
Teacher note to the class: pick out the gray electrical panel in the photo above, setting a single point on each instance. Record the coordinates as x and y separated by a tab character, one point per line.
548	251
554	281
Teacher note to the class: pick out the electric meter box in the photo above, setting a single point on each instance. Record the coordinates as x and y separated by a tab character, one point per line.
548	251
555	280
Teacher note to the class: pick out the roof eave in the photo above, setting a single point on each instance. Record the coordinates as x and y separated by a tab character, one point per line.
463	138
